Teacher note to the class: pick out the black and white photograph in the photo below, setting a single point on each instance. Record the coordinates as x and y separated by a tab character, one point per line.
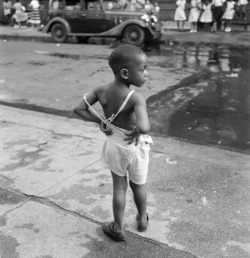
124	129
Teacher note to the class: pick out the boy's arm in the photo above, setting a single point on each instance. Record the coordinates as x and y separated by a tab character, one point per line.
82	110
141	114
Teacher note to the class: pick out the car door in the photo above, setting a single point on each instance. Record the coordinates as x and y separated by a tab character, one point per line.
95	20
75	14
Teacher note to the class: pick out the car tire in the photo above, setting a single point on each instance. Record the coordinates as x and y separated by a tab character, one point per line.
134	35
59	33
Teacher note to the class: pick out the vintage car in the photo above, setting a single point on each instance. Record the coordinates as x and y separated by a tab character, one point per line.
100	18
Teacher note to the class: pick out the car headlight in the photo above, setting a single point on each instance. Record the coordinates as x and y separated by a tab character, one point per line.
146	18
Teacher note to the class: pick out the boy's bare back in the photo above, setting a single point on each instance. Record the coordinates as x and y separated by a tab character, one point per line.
112	97
129	67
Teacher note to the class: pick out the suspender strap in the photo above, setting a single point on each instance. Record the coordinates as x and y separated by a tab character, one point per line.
93	110
112	118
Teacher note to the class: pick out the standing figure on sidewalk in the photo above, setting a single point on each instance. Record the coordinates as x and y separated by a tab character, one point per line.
157	8
194	14
217	9
35	14
126	149
229	14
20	14
207	16
242	4
179	15
7	5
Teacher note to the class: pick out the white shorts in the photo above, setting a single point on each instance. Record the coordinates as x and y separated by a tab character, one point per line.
123	159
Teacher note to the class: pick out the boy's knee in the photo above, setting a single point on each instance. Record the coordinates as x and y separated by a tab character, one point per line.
121	187
135	186
120	183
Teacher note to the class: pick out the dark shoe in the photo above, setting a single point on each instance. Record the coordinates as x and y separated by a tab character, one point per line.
142	225
108	229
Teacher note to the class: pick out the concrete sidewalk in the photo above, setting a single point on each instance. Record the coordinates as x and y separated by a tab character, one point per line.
55	193
238	36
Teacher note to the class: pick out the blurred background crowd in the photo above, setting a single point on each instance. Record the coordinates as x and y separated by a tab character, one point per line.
210	15
205	15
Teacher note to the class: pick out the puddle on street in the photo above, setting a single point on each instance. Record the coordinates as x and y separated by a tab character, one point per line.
211	107
62	55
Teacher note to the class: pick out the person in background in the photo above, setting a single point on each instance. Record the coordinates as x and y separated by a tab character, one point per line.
157	8
149	8
217	10
242	4
20	14
35	14
55	5
122	4
194	14
7	5
229	14
207	16
140	4
179	15
131	5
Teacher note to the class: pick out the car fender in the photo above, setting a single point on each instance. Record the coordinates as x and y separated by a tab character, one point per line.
48	26
118	30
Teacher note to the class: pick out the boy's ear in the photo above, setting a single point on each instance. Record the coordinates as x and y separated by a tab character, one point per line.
124	73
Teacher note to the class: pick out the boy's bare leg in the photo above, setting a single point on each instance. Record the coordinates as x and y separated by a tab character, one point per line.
140	198
120	186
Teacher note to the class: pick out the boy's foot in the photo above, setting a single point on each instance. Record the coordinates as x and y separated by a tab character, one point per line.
108	229
142	225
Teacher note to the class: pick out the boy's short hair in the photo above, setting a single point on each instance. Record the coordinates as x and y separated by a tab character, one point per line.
123	56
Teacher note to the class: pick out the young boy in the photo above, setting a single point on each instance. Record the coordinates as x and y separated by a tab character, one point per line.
126	123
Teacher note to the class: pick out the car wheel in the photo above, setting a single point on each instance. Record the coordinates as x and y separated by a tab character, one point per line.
134	35
59	33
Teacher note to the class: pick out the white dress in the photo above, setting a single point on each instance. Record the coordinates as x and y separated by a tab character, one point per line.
180	11
35	15
195	11
20	15
229	12
207	15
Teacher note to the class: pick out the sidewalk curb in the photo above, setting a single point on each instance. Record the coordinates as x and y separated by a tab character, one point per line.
162	144
171	38
26	38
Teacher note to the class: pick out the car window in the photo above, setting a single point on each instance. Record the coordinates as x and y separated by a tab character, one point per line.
58	4
93	5
111	5
118	5
68	4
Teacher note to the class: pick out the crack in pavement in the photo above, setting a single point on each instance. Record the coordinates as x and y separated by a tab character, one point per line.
47	202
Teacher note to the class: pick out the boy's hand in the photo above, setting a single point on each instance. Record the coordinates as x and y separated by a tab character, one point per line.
105	129
133	136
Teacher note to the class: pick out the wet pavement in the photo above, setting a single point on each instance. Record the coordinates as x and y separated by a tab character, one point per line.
218	111
208	107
